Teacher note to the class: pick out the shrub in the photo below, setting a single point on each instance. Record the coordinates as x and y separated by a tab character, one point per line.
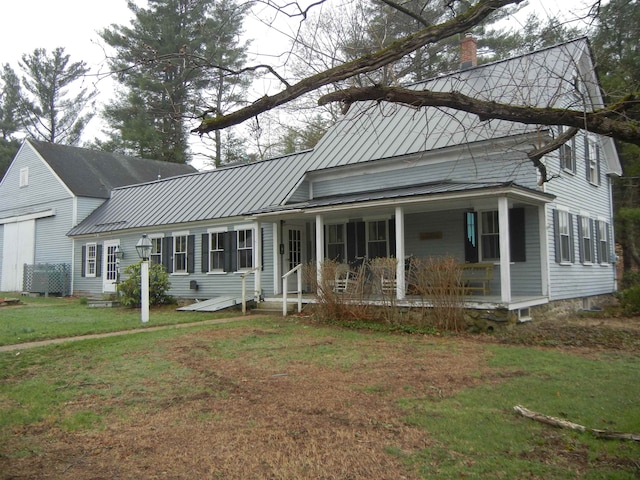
158	286
630	278
630	300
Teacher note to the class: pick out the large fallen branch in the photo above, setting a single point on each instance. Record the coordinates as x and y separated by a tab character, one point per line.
558	422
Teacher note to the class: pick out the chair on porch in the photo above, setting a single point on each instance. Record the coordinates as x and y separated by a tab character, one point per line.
341	279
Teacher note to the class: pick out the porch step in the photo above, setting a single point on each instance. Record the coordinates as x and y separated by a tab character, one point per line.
271	308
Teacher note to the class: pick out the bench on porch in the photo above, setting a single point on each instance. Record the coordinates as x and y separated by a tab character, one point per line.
476	277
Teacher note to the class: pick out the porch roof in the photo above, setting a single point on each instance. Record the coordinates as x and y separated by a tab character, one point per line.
427	192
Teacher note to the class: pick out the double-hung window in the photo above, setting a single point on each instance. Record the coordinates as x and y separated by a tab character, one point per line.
563	235
377	238
180	253
336	242
586	239
90	260
490	236
245	249
216	251
593	161
602	232
567	152
156	249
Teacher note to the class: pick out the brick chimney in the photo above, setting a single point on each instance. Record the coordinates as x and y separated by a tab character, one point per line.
468	52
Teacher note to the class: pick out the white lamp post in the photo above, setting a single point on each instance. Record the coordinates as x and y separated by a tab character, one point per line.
143	247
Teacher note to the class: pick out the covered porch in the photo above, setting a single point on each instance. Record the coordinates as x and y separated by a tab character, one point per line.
495	231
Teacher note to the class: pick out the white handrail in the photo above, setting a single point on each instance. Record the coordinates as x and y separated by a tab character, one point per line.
285	277
243	276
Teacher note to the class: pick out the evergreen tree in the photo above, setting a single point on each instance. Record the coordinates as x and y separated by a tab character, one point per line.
9	117
47	110
173	52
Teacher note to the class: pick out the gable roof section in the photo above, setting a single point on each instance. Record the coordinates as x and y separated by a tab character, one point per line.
93	173
221	193
373	130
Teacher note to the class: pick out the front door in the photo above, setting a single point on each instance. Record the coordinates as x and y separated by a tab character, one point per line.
293	252
110	266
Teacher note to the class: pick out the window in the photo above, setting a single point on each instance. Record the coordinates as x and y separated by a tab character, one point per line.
245	249
216	251
336	243
586	242
567	152
563	236
156	250
593	161
24	177
377	239
490	236
602	236
180	254
90	260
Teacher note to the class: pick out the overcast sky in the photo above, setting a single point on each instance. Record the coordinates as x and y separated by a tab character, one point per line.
73	24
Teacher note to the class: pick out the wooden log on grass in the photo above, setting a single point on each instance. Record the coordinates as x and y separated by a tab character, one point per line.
558	422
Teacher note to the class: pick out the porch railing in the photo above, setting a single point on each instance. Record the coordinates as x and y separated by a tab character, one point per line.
285	278
243	277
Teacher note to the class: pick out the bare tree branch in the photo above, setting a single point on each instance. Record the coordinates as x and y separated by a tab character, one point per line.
368	63
605	121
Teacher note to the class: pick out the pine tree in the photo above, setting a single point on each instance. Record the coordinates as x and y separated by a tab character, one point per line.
47	109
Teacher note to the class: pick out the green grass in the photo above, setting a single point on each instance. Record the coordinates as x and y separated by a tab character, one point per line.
44	318
480	436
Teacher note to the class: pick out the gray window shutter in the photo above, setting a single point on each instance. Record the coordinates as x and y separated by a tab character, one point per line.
84	261
167	253
580	239
204	260
571	240
191	253
556	235
592	236
517	237
98	260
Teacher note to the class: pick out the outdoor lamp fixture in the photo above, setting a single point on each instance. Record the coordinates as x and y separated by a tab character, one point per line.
143	247
119	253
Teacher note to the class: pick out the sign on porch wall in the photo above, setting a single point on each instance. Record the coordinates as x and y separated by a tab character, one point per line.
430	235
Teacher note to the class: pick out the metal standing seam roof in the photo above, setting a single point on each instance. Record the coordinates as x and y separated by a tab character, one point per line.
221	193
369	131
93	173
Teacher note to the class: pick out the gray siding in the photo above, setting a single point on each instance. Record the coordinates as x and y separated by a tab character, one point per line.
468	170
579	196
209	284
85	207
52	244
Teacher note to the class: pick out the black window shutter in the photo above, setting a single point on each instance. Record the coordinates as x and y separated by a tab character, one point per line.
191	253
598	164
586	157
351	242
84	261
230	251
167	253
556	235
261	248
580	239
392	237
517	237
471	253
610	256
204	260
361	240
98	260
591	236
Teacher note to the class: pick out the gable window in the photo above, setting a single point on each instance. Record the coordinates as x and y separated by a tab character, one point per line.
377	239
336	242
24	177
156	250
563	220
180	254
90	260
602	240
567	152
245	249
585	228
216	251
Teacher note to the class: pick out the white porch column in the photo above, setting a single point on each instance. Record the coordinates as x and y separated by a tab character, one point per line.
400	273
505	255
277	260
258	260
319	247
544	249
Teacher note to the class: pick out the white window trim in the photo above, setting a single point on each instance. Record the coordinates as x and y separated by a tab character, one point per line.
606	223
215	271
585	216
87	258
344	239
593	154
566	211
481	235
183	233
368	240
155	236
243	228
24	177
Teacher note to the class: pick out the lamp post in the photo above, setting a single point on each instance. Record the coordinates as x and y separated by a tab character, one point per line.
143	247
